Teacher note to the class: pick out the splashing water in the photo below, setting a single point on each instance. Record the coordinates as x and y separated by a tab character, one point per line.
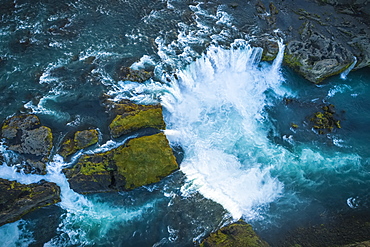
215	112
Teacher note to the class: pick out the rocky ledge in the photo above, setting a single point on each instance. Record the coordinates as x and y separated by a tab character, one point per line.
18	199
323	38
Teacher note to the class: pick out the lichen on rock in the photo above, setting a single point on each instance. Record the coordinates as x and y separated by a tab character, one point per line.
130	117
238	234
143	160
325	120
18	199
82	139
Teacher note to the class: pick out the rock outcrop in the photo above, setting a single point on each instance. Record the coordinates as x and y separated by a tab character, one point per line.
18	199
238	234
325	121
82	139
315	56
139	162
323	38
25	135
132	117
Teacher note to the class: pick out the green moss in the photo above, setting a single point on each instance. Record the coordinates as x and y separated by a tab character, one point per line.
239	234
145	160
81	140
293	125
123	124
141	161
325	120
267	57
86	138
292	61
90	168
48	138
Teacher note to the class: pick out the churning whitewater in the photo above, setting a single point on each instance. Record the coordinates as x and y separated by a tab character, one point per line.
215	112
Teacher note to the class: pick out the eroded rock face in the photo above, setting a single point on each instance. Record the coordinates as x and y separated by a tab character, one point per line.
238	234
18	199
315	56
141	161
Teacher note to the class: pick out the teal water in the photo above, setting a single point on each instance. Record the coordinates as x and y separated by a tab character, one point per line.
231	115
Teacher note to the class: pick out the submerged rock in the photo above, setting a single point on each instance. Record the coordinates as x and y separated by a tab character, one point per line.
325	121
25	135
140	161
82	139
18	199
128	74
131	117
238	234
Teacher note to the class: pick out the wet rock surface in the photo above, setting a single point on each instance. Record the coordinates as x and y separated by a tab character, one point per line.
325	120
18	199
342	229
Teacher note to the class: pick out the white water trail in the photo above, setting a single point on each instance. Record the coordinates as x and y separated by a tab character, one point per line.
344	74
82	215
215	112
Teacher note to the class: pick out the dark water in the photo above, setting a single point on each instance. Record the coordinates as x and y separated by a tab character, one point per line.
231	115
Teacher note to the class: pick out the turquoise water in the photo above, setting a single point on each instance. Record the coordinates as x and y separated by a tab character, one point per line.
231	115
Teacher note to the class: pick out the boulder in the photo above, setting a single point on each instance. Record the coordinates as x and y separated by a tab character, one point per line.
25	135
140	161
238	234
18	199
82	139
132	117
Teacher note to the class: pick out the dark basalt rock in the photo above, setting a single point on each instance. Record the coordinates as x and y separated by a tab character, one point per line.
25	135
18	199
238	234
315	56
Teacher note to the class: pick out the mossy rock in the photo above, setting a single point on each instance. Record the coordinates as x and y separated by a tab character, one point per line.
82	139
141	161
137	119
25	135
239	234
18	199
325	120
